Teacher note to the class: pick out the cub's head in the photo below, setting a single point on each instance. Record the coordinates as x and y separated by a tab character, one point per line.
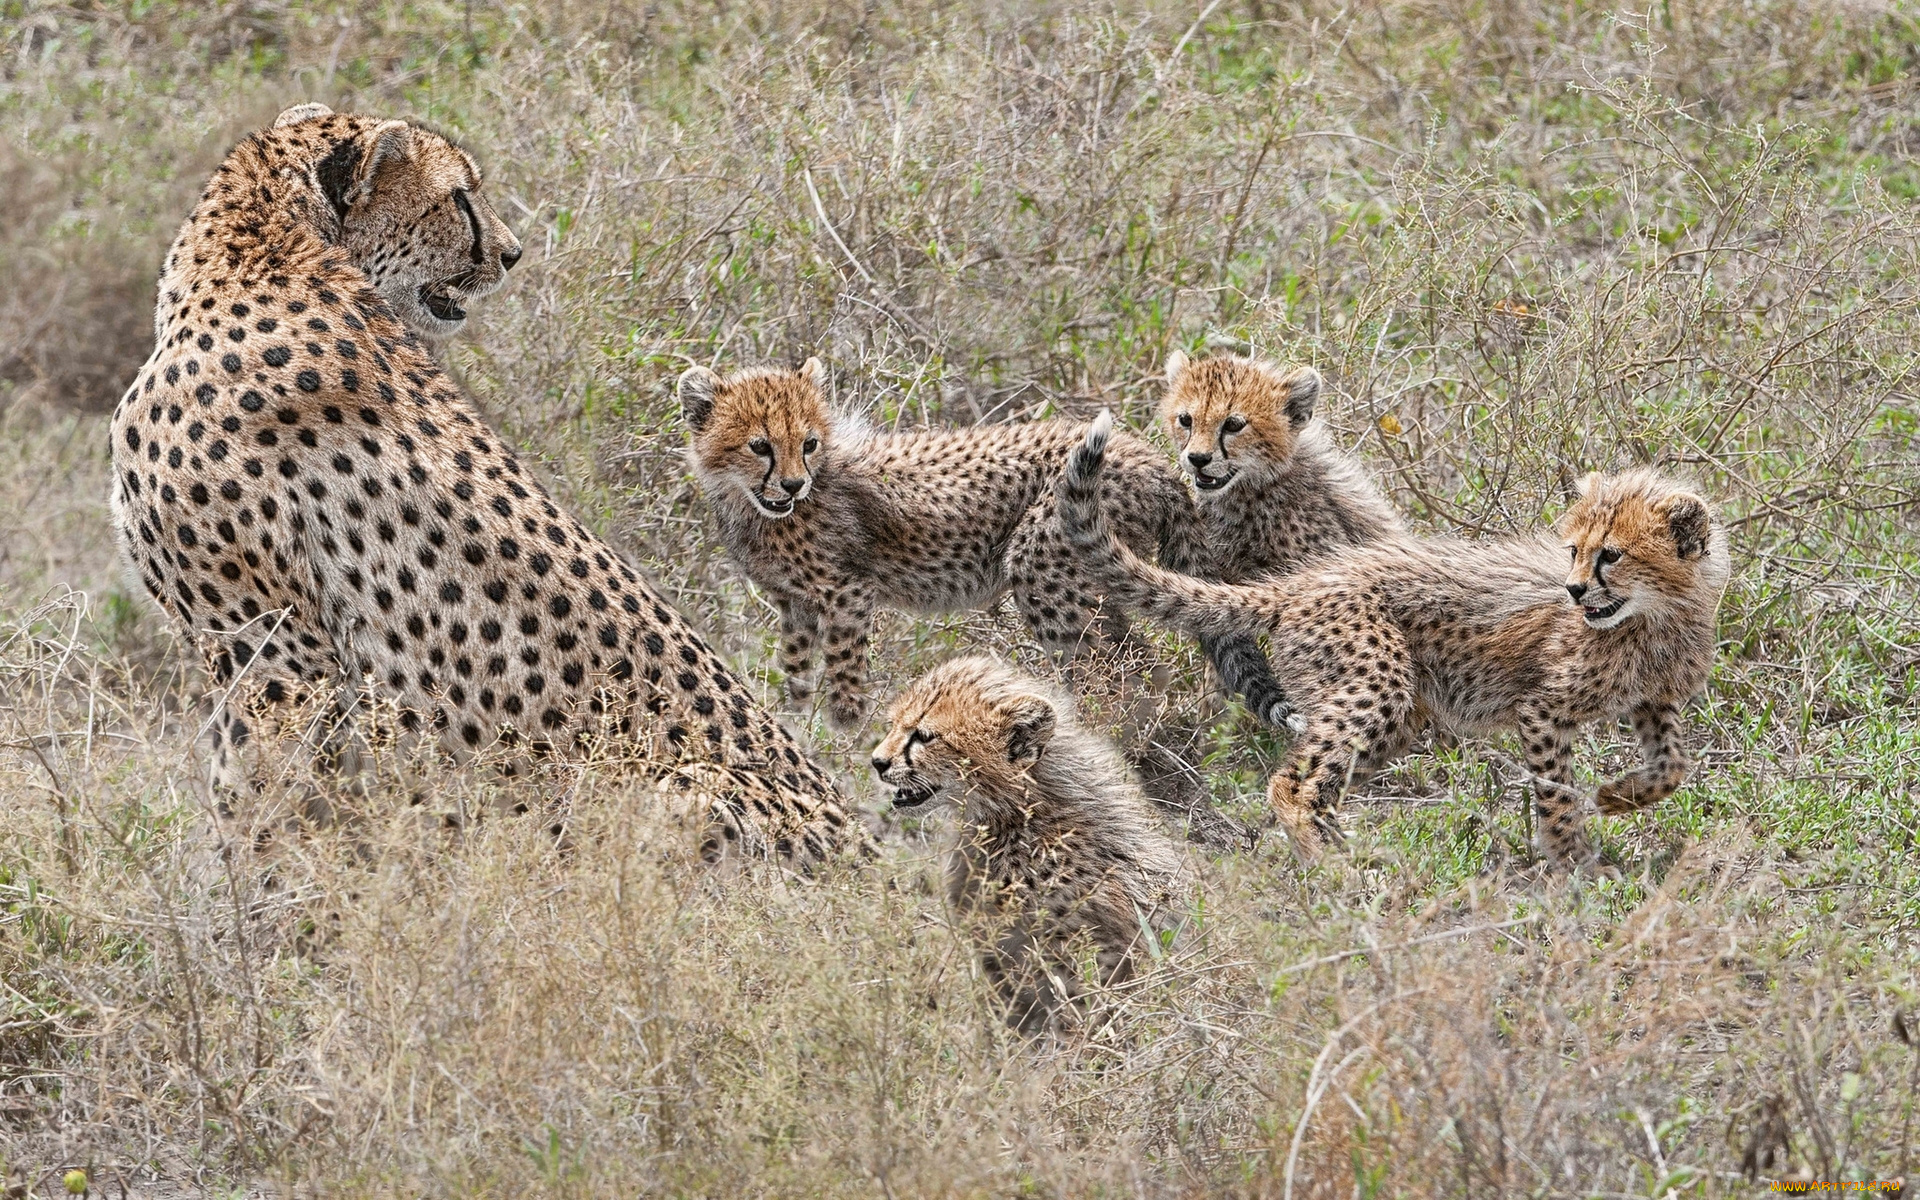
765	432
969	721
1232	417
411	212
1637	544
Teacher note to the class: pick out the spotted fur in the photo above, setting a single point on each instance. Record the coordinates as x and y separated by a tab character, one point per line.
315	504
835	520
1056	843
1538	635
1274	490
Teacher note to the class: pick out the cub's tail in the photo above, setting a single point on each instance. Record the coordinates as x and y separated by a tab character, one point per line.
1212	611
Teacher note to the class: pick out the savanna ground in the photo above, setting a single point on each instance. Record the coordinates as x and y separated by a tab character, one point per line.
1521	238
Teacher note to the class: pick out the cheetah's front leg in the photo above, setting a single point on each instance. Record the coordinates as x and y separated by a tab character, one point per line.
849	625
1664	770
799	630
1562	834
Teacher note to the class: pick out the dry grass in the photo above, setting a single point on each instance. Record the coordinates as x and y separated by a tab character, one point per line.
1520	238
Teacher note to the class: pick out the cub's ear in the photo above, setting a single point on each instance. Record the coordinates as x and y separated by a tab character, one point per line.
1176	363
347	175
1586	484
696	390
1303	392
299	113
1030	730
814	372
1690	522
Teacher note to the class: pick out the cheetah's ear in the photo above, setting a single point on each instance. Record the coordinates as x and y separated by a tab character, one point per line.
299	113
1176	363
1029	730
697	385
814	372
346	176
1586	484
1690	522
1303	392
392	140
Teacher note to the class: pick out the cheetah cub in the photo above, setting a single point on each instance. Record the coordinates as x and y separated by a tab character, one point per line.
1274	490
834	520
1613	618
1056	842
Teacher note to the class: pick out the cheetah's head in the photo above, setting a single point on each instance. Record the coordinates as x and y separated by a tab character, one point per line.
1638	544
412	214
1233	417
765	432
969	720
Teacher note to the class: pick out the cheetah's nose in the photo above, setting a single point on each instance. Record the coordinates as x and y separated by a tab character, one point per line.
881	765
792	486
1576	590
510	256
1199	458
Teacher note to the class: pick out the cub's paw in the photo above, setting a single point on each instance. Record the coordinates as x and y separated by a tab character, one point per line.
1619	796
1574	855
1310	834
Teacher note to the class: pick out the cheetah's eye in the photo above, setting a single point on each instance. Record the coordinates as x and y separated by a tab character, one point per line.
810	445
1233	425
1609	556
918	738
1573	553
761	446
1184	420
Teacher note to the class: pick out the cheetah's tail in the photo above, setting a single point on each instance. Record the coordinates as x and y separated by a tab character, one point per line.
1195	605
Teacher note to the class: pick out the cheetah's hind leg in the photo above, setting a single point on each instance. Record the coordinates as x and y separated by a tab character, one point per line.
1342	746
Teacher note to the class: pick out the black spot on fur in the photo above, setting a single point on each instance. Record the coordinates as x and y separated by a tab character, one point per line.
336	174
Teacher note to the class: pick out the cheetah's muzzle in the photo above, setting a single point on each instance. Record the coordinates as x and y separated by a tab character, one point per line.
1596	615
438	299
912	793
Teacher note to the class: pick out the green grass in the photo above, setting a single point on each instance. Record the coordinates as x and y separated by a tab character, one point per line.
1521	240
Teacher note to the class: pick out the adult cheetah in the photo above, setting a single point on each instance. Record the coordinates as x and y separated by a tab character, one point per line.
1056	841
315	504
1540	635
835	519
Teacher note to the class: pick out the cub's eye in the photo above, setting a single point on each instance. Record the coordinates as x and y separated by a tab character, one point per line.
1573	553
1609	556
1233	425
812	444
761	446
1184	420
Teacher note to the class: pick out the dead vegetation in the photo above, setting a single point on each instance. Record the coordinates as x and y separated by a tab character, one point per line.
1519	239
